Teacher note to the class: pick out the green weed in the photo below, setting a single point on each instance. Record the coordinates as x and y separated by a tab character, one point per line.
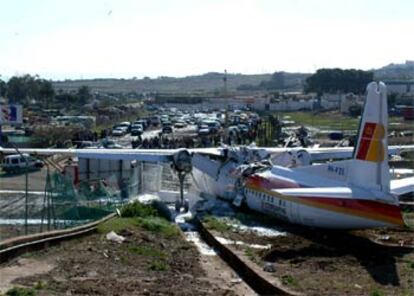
214	223
117	224
251	255
40	285
21	291
289	280
137	209
158	265
377	292
160	225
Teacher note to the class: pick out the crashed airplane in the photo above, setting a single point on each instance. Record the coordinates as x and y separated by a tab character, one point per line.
285	183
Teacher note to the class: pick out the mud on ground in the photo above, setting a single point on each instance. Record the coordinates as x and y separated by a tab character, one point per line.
147	263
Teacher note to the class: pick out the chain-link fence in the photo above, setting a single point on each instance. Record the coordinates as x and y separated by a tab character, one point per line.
53	201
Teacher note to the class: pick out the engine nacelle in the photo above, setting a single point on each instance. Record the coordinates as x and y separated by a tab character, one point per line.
182	161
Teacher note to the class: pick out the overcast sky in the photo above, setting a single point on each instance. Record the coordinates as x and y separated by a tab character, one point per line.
60	39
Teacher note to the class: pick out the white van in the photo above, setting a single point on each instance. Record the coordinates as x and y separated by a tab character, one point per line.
16	162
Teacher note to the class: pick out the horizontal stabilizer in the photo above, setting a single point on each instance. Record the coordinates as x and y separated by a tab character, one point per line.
402	186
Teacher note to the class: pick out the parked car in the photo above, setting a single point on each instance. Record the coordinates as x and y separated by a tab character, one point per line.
119	131
137	130
126	125
17	163
203	130
167	129
180	124
109	144
142	122
243	128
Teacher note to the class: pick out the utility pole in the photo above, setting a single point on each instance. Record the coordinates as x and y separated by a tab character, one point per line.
225	83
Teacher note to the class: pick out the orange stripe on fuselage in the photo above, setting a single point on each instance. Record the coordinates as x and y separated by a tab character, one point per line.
356	207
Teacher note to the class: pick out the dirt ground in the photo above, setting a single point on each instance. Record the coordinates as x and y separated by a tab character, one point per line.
318	262
36	182
147	263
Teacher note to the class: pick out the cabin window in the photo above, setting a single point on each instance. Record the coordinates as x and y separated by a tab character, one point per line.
15	161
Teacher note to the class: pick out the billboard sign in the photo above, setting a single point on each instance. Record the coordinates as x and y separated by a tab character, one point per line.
11	114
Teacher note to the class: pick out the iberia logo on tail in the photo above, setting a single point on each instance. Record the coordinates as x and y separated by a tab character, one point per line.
371	147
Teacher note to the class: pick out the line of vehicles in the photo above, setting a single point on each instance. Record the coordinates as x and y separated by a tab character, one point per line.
202	123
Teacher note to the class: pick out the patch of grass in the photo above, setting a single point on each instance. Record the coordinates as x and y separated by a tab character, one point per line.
153	224
160	225
158	265
117	224
40	285
376	292
329	120
411	264
409	219
137	209
325	120
249	252
289	280
20	291
147	251
214	223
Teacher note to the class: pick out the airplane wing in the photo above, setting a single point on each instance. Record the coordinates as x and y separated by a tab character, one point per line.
402	186
332	153
163	155
150	155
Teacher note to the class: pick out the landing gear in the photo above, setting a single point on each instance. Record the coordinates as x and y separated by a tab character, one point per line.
182	202
182	163
179	205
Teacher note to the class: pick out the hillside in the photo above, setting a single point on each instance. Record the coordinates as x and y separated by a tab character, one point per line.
206	83
213	82
396	71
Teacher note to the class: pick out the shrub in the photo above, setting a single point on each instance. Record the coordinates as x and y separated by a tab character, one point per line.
137	209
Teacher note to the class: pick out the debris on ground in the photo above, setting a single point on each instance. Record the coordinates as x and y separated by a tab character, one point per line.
112	236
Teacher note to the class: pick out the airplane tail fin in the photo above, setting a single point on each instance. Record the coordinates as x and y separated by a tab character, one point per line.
370	160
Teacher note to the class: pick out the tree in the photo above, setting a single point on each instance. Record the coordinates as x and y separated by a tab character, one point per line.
17	89
46	91
84	95
22	88
3	88
338	80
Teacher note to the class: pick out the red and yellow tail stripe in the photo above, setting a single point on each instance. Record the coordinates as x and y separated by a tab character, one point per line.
371	147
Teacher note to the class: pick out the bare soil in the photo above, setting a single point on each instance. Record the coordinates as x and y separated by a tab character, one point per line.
147	263
36	180
316	262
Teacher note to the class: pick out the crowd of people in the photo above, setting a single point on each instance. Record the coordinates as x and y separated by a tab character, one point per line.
171	141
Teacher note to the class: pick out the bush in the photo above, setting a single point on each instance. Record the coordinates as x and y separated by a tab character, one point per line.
20	291
137	209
